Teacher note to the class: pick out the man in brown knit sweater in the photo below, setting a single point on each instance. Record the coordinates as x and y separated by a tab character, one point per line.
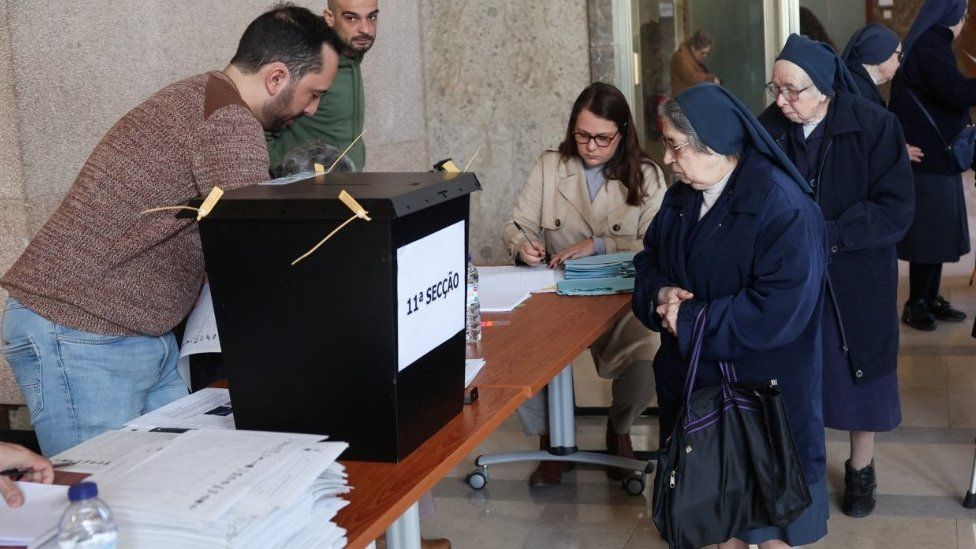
95	296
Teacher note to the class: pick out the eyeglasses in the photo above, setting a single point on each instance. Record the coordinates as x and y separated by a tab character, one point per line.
790	94
901	55
672	147
601	140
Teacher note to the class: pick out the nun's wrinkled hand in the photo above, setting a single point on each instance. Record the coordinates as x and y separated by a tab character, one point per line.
670	299
583	248
669	316
915	154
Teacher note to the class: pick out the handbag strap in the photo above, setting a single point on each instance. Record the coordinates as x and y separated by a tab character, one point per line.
728	370
928	116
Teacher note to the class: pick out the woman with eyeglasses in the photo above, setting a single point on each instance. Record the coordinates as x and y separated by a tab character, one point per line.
740	235
595	194
932	98
852	153
873	55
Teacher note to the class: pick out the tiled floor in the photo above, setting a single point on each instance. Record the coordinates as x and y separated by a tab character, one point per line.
923	469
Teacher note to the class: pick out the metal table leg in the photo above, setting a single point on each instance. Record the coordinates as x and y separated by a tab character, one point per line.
404	533
562	436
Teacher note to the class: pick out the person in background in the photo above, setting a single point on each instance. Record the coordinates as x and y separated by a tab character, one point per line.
812	28
596	194
852	153
738	234
930	78
88	326
342	110
688	63
873	56
32	467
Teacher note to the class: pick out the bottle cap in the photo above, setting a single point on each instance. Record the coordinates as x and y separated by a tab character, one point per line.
82	491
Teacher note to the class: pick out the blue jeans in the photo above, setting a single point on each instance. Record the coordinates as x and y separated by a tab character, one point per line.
79	384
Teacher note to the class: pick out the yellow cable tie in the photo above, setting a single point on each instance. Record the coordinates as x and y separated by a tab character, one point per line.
343	155
164	208
323	241
351	203
468	165
210	202
319	168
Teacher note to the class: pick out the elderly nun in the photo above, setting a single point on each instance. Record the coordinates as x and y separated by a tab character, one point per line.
873	56
932	100
740	235
851	151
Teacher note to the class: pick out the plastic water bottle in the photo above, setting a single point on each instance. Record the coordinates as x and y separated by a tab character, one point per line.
87	523
473	316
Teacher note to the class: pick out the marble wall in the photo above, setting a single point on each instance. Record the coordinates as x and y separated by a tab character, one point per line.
69	69
502	76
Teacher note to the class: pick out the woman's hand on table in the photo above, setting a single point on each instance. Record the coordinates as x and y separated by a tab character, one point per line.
583	248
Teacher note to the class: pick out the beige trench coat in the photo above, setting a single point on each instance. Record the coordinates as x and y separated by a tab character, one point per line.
554	208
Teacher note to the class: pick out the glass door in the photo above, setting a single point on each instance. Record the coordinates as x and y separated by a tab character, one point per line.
746	36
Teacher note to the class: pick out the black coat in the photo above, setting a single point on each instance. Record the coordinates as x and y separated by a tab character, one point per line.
931	71
757	260
866	192
865	84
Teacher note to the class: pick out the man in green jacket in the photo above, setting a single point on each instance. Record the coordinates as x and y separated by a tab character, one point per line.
339	119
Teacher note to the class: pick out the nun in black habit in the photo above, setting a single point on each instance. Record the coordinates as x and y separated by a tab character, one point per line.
940	231
852	153
739	234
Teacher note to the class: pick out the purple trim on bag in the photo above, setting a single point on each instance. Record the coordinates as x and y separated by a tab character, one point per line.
729	376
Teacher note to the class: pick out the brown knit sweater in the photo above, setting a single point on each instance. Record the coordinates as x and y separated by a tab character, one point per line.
100	266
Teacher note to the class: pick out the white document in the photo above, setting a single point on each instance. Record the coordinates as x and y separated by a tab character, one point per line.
509	278
200	335
432	288
471	368
501	301
206	408
200	474
665	9
41	511
95	454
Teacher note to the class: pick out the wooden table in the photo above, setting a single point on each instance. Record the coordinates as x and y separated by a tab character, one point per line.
545	335
382	492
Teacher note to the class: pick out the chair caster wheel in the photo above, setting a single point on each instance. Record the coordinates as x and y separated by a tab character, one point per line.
634	484
477	479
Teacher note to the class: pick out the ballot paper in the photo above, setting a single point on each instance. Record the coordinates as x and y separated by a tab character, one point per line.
525	279
102	451
41	511
501	301
206	408
200	335
471	368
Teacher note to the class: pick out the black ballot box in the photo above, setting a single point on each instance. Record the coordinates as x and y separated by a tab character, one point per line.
363	340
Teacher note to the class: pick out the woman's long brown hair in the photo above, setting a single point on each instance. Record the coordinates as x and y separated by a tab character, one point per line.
606	101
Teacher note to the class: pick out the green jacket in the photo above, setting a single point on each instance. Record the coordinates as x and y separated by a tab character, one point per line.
337	122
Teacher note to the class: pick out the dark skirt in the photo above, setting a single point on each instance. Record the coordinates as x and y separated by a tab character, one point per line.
872	406
805	529
940	229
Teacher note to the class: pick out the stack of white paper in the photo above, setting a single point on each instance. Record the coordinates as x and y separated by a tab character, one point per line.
41	511
221	488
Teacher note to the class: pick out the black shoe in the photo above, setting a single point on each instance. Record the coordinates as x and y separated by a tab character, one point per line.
859	488
916	314
942	310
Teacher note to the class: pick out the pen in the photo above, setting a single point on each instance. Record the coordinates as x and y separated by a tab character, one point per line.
545	256
17	473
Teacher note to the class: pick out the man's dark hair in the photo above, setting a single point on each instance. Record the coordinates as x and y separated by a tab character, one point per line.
288	34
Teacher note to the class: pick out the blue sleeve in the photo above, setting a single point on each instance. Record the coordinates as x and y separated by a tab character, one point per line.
649	279
787	281
883	218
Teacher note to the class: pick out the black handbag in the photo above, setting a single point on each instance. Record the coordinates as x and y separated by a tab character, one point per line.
730	465
960	151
